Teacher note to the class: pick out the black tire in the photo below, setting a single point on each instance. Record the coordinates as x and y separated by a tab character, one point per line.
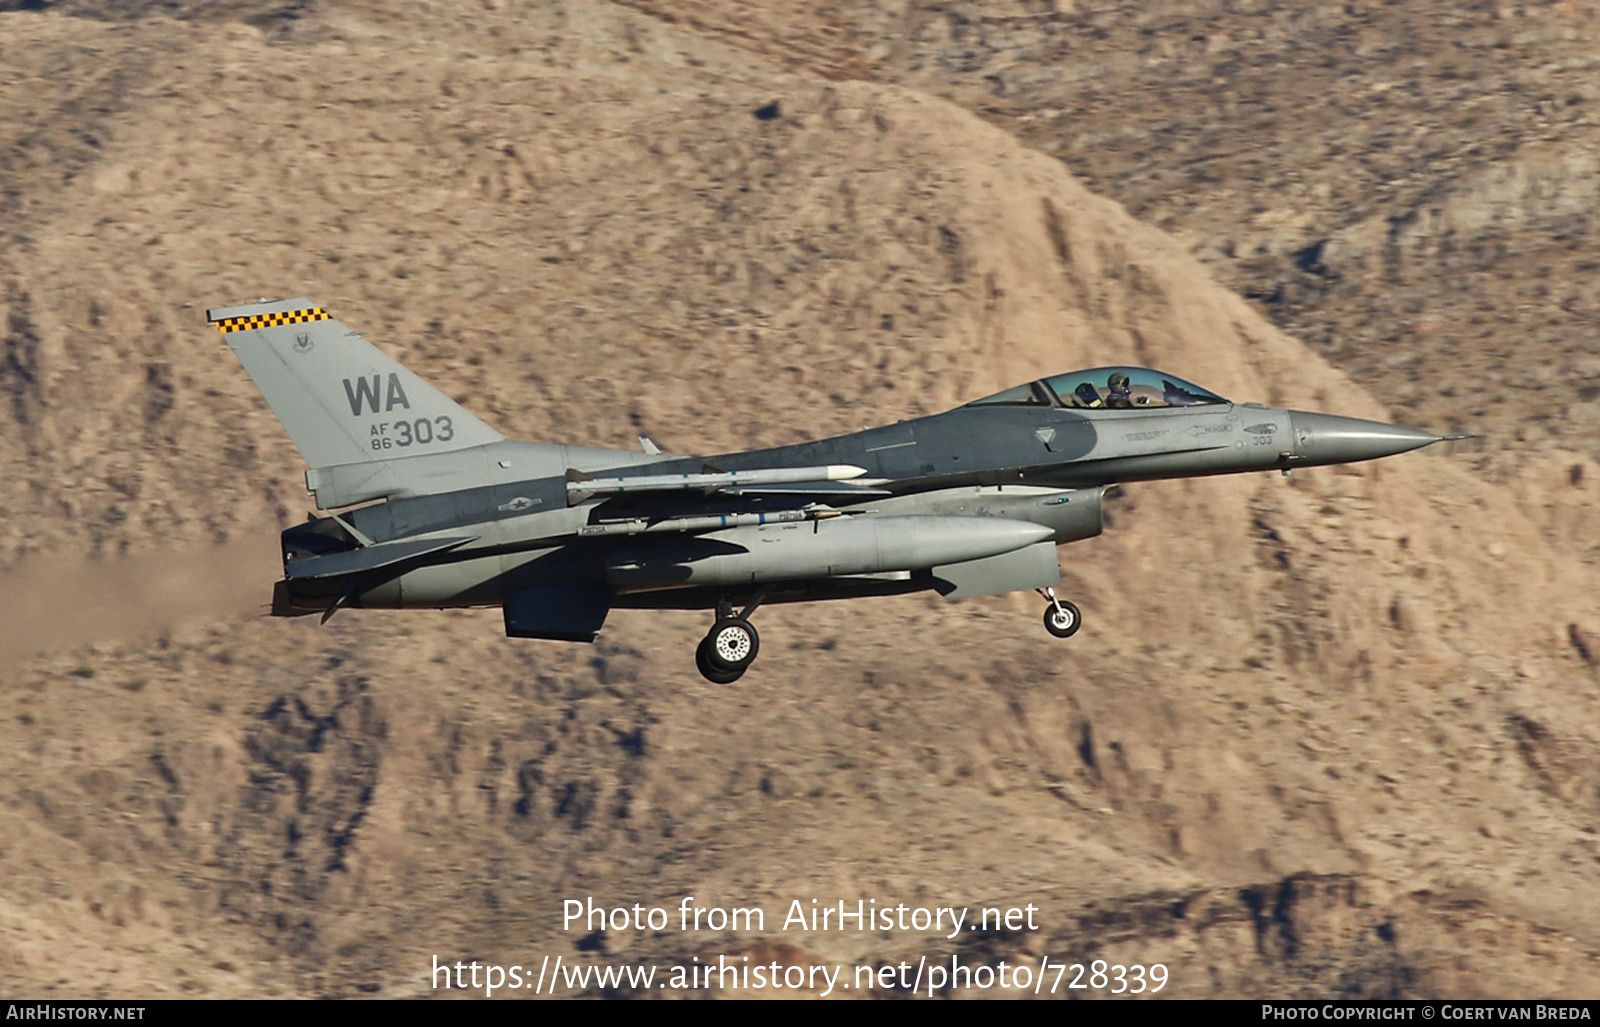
732	644
1063	621
714	674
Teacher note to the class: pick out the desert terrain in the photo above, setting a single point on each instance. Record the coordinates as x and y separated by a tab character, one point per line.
1329	734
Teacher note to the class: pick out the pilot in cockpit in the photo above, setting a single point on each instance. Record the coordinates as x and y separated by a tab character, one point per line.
1124	388
1119	392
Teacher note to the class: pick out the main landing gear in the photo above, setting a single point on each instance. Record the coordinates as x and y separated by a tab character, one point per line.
731	646
1061	618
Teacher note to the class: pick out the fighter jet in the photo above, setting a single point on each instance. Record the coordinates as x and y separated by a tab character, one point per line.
426	506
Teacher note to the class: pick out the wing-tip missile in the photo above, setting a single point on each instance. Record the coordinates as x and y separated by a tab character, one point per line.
578	483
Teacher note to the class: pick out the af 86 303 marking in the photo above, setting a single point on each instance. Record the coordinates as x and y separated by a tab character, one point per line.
420	432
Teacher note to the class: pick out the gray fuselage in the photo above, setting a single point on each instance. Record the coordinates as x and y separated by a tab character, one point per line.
1026	463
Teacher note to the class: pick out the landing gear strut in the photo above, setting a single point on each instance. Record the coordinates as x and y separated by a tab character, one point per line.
731	646
1061	618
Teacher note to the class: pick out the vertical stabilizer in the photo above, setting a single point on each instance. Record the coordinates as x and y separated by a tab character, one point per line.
341	399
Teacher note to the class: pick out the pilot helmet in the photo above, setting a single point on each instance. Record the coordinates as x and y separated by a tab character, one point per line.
1118	382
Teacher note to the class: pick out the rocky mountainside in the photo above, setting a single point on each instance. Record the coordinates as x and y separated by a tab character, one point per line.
1330	734
1407	187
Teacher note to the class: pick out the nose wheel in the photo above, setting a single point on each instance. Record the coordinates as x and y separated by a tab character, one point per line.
729	648
1061	618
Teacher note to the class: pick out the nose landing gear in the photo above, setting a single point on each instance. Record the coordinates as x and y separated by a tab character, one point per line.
1061	618
731	646
728	651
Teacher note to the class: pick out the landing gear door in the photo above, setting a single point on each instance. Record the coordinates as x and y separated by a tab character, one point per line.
565	613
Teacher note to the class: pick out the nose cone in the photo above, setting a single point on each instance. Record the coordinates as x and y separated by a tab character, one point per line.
1328	439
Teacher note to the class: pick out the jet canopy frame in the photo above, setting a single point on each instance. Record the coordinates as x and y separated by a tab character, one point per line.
1106	388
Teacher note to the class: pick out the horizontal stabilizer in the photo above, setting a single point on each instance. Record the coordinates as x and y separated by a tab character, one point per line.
582	485
357	561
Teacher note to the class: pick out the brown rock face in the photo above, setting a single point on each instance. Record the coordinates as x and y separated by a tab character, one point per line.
1330	734
1407	187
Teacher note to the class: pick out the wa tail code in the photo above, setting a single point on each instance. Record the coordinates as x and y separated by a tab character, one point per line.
365	393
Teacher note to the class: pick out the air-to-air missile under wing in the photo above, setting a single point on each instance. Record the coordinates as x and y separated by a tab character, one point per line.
969	502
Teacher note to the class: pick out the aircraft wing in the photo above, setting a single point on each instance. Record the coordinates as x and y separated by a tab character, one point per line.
771	480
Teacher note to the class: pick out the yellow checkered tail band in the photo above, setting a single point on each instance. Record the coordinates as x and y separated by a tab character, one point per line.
290	317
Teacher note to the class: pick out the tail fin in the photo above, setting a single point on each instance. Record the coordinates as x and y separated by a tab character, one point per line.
342	401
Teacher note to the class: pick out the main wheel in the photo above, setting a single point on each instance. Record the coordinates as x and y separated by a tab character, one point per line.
712	673
1063	620
732	644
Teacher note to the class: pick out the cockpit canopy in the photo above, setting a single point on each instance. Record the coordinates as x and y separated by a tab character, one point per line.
1105	388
